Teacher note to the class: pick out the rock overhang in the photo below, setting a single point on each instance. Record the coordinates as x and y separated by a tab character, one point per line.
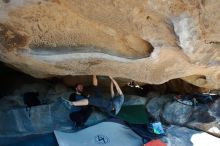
128	39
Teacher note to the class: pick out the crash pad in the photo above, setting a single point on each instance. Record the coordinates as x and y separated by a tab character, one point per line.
105	133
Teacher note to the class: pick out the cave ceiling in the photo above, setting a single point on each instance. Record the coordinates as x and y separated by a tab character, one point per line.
149	41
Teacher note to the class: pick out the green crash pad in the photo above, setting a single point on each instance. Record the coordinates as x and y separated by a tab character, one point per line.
134	114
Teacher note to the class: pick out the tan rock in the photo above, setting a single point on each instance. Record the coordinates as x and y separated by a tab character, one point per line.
150	41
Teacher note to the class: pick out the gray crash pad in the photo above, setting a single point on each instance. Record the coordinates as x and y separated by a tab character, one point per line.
105	133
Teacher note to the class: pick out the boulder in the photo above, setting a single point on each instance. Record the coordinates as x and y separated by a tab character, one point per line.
204	117
155	106
146	41
176	112
182	136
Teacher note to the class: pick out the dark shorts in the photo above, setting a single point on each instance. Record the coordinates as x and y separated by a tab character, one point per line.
81	116
98	101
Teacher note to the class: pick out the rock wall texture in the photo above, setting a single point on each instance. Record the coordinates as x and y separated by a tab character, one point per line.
204	117
150	41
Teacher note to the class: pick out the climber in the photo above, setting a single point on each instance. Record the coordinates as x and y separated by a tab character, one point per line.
112	106
79	115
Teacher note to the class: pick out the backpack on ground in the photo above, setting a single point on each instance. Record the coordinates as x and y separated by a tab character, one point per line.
31	99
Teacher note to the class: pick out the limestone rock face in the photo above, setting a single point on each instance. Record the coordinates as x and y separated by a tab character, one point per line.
150	41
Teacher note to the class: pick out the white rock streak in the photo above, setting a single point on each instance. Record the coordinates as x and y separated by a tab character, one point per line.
185	29
53	57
